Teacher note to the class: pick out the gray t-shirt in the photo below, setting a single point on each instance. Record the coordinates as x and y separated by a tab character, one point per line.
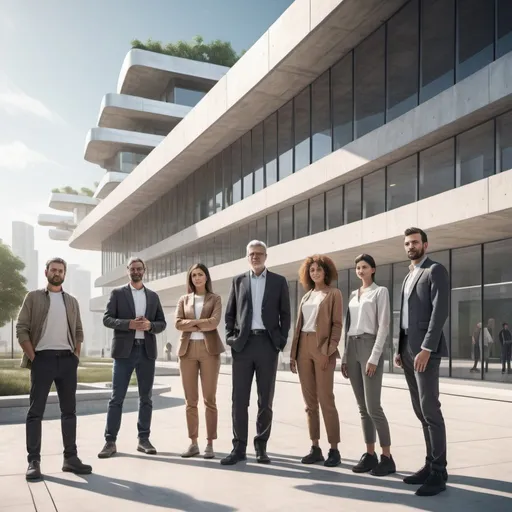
56	331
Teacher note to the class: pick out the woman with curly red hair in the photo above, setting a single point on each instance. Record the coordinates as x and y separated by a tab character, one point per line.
314	352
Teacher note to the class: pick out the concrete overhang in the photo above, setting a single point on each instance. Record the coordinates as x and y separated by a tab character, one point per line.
127	112
108	183
147	74
69	202
59	235
479	212
103	144
297	48
65	222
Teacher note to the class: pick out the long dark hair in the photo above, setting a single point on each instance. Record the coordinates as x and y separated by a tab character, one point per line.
190	285
367	259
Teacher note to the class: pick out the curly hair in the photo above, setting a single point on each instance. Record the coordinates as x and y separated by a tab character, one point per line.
321	260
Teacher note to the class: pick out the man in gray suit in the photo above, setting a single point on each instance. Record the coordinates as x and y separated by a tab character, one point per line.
135	314
425	306
257	325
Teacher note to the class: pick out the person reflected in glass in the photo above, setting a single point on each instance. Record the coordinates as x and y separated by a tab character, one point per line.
198	314
481	341
505	337
315	350
366	331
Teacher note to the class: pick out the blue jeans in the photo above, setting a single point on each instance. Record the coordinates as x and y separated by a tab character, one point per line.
121	375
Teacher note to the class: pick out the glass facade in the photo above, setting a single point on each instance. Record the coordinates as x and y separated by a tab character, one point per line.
424	48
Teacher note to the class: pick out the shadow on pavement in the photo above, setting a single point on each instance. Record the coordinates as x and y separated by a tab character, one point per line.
139	493
16	415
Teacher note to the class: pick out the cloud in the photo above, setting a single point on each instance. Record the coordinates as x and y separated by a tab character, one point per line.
17	156
14	101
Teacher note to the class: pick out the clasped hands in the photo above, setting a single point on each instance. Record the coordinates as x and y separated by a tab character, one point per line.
140	323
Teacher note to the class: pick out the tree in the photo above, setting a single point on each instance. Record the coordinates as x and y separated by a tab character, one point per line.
84	191
12	284
216	52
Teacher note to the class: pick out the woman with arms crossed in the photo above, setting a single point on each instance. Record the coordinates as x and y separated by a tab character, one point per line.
197	316
366	328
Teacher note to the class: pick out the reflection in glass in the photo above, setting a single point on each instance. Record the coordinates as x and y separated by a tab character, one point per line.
402	182
334	207
321	117
247	165
374	193
227	177
272	229
369	83
504	43
236	167
257	157
302	113
467	338
286	225
219	184
270	140
300	219
352	201
437	169
504	130
402	61
285	139
475	151
342	102
210	183
437	47
317	214
475	20
187	97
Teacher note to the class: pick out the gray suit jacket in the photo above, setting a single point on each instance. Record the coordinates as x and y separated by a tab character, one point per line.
120	310
428	310
275	311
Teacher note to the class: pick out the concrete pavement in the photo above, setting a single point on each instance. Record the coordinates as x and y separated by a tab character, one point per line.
479	453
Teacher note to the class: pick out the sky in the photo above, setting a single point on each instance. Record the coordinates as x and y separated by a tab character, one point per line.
57	61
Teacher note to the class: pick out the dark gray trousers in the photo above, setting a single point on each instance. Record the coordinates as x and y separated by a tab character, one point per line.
424	390
260	357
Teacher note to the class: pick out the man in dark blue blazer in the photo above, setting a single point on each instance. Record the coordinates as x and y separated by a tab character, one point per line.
136	315
257	325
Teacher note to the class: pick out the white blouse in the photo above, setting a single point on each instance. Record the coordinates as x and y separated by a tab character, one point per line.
370	314
198	308
310	310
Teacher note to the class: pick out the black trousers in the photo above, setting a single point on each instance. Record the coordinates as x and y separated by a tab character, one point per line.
424	391
51	366
260	357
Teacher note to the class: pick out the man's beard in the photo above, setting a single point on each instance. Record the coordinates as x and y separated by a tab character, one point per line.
135	278
417	254
55	280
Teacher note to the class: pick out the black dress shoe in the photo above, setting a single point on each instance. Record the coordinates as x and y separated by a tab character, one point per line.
233	458
33	471
315	455
108	450
366	463
421	476
333	458
434	485
261	456
385	467
76	466
145	446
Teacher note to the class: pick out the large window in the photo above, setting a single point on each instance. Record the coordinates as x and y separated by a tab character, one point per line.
475	49
321	117
285	139
437	169
466	312
504	36
374	193
475	150
352	201
334	208
342	102
286	225
504	130
300	219
369	83
247	174
257	157
236	167
227	177
302	117
402	182
270	143
272	229
187	97
437	47
317	214
219	184
402	61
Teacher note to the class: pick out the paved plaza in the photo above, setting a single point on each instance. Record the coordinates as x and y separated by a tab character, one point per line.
478	417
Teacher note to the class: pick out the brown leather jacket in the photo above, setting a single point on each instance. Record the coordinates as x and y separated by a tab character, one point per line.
328	324
208	322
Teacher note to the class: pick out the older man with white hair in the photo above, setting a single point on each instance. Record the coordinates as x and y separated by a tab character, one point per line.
257	325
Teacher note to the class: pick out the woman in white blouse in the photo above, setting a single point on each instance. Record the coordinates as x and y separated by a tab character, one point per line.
314	352
366	330
198	314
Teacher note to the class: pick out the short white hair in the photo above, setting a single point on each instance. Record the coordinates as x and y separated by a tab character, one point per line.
256	243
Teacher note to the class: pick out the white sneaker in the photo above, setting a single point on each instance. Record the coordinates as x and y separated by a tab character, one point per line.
192	451
208	452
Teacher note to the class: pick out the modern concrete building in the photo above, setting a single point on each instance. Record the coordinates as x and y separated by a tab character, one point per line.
23	247
343	125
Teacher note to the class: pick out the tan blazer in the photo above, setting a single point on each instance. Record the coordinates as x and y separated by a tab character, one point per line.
208	322
328	324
